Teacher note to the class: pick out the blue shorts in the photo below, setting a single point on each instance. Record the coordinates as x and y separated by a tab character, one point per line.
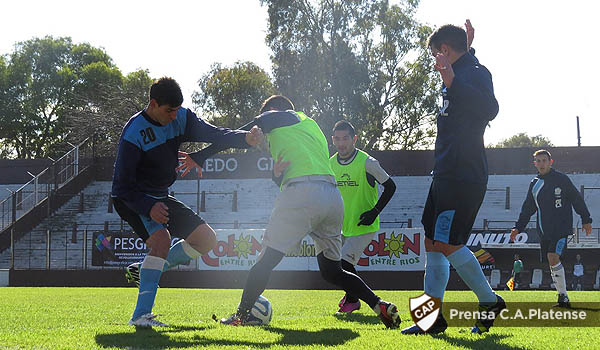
182	219
556	245
451	209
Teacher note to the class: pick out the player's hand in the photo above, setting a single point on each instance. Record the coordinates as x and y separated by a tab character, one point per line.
368	217
443	65
587	228
187	164
513	234
470	33
160	213
255	136
280	166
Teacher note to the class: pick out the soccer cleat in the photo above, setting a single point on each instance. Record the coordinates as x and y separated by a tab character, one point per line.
439	326
236	319
563	301
348	307
132	273
482	326
388	314
147	320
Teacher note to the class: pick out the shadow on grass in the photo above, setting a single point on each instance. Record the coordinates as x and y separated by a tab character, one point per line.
474	341
358	317
148	338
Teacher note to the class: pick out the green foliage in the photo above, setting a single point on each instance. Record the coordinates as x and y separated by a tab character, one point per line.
524	140
45	77
93	318
232	96
53	91
360	60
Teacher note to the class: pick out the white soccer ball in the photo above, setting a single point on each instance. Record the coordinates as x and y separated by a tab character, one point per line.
261	312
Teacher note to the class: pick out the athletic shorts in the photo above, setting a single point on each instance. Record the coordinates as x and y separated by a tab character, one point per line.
354	246
182	219
451	209
556	245
315	208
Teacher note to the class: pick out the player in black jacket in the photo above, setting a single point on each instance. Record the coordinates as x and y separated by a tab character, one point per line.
460	173
553	196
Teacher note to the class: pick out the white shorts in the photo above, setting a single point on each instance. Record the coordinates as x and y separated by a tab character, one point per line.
315	208
354	246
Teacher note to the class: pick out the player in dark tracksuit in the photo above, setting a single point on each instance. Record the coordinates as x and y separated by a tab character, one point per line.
553	196
460	172
146	165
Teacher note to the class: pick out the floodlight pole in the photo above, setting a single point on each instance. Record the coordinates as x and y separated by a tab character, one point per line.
578	133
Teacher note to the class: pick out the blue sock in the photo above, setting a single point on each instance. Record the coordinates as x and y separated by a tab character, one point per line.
469	270
437	272
180	253
149	277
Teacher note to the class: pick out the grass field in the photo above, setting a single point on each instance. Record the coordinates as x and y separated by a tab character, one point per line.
92	318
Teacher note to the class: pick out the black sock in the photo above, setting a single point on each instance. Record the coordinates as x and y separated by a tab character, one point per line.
350	268
258	278
332	272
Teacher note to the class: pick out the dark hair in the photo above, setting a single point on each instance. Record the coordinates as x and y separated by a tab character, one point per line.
344	125
451	35
166	91
276	103
541	152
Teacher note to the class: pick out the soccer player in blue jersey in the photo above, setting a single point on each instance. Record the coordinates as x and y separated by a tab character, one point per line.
553	196
460	172
146	165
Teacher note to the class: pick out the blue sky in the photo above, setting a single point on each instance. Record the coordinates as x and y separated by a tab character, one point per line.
542	54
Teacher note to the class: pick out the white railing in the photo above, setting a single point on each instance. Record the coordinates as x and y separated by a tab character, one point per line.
42	185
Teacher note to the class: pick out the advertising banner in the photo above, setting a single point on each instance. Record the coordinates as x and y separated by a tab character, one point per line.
396	249
116	248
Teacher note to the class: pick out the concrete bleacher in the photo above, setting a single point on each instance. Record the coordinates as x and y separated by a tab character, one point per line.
255	200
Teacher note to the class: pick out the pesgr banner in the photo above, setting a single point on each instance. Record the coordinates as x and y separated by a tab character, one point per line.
116	248
398	249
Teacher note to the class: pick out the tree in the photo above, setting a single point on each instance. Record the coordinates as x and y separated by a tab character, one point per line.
524	140
232	96
44	77
360	60
106	101
54	92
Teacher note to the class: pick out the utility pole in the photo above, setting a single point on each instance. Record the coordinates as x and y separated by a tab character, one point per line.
578	133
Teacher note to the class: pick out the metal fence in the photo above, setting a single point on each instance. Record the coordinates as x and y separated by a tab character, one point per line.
42	185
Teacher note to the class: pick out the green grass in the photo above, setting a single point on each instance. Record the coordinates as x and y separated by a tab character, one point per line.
92	318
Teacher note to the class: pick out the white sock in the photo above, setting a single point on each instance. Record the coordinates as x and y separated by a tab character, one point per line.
558	275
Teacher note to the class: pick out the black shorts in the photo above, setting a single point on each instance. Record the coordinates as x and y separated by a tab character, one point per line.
557	245
451	209
182	219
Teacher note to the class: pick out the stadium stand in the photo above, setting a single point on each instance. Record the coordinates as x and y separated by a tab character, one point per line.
247	203
597	283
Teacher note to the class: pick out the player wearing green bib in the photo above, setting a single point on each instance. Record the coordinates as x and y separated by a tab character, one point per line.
309	204
357	175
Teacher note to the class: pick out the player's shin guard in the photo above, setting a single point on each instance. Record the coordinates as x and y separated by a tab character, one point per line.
180	253
437	273
469	270
149	277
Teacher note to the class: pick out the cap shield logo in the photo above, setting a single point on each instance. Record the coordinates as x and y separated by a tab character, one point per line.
424	310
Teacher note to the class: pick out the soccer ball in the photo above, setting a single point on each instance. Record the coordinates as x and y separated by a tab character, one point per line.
261	312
